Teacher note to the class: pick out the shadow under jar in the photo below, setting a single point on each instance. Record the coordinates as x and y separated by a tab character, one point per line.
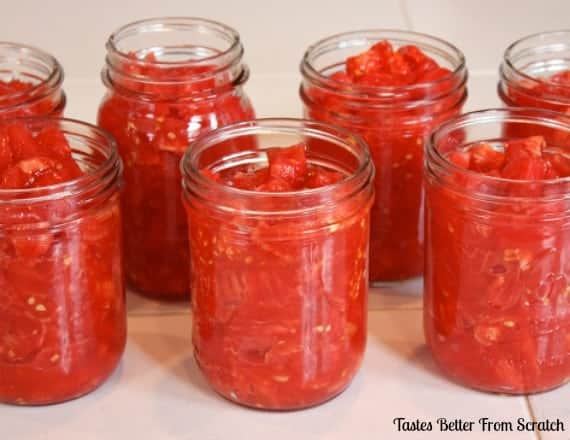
395	122
497	280
169	80
536	72
279	279
62	307
30	82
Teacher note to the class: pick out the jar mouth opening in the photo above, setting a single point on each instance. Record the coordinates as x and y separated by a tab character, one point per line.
77	132
191	169
363	39
164	25
39	68
517	49
546	118
186	51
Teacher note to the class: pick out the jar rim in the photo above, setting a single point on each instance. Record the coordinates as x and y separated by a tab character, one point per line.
71	187
310	71
549	118
161	23
511	51
51	81
189	168
224	65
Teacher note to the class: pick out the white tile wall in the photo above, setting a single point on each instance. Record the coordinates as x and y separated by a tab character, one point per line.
482	29
275	34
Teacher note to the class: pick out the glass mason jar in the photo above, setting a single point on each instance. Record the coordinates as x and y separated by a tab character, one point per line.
30	82
395	122
168	80
62	306
531	69
279	280
497	280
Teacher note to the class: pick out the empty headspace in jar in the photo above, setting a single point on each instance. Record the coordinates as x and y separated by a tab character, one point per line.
497	127
248	142
29	65
255	147
540	55
175	40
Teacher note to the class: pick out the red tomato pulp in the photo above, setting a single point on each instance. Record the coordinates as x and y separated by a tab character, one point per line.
279	300
497	284
62	312
154	121
393	97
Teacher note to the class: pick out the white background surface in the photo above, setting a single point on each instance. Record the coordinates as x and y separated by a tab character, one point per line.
158	393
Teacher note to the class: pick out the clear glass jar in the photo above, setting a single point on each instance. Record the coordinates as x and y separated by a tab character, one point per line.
30	82
529	69
497	280
395	122
62	305
279	280
169	80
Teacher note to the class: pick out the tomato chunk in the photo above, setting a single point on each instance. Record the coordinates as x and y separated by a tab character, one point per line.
31	161
520	159
287	170
381	65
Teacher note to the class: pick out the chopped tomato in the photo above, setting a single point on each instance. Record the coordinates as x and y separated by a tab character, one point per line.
520	159
460	158
497	282
154	123
395	123
484	158
62	313
382	66
287	170
15	102
279	300
288	164
31	161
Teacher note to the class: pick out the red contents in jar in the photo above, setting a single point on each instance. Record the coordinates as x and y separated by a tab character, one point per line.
279	303
521	159
154	122
497	296
544	92
287	170
394	129
16	92
28	161
381	65
62	315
